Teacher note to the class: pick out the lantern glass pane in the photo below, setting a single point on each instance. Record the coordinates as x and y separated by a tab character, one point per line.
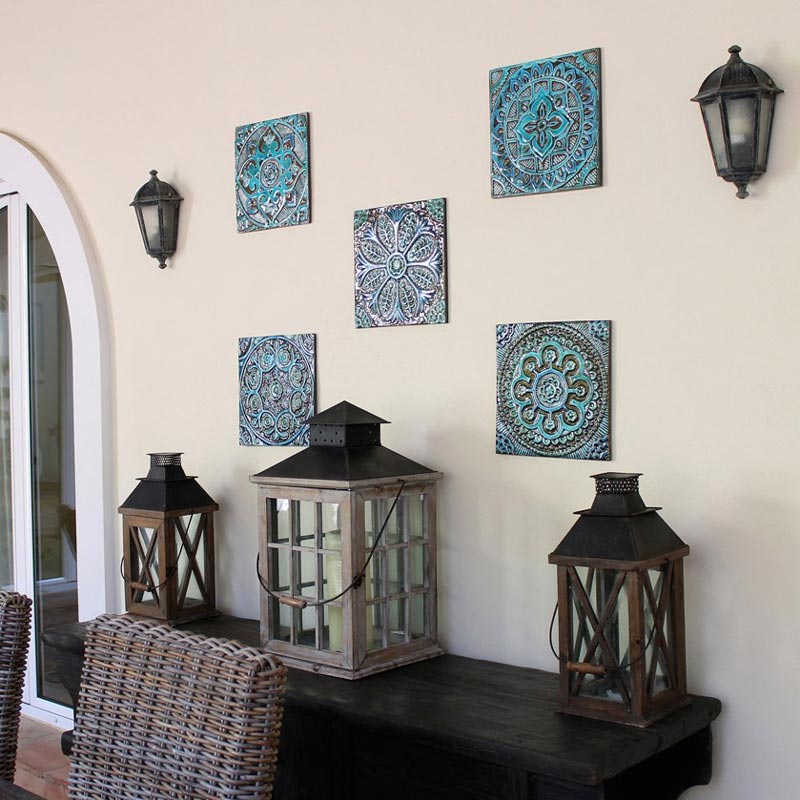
417	516
190	547
418	560
169	218
280	568
306	621
419	616
764	131
396	569
375	575
332	628
144	570
712	115
605	592
396	526
331	527
332	585
305	526
375	618
741	114
658	655
279	520
398	621
282	616
307	575
152	226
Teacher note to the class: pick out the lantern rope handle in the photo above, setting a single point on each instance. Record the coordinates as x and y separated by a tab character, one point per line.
141	587
619	668
301	602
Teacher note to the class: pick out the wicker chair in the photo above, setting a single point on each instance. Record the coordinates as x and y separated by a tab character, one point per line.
15	635
164	714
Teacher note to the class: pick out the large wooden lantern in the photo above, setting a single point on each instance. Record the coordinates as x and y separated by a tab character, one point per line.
620	609
347	551
168	545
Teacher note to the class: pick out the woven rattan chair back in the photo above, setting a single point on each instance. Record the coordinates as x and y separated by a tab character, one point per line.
167	715
15	636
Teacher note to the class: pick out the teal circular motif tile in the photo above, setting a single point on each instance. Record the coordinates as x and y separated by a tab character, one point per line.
545	125
272	173
553	385
276	389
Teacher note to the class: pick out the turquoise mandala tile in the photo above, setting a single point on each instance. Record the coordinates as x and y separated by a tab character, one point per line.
545	125
400	264
277	388
272	174
553	389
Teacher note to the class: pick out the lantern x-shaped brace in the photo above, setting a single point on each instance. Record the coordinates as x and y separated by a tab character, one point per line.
191	548
661	650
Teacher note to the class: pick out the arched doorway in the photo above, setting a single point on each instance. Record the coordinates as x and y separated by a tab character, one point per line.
54	289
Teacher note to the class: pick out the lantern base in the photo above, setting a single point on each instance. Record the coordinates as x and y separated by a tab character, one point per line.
381	661
619	714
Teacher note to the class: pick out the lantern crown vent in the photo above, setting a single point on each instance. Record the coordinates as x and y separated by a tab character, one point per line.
345	425
345	448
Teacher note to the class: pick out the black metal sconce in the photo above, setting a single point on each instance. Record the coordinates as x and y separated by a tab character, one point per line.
157	206
738	102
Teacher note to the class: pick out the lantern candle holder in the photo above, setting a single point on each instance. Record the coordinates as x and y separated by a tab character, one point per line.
621	609
347	555
168	545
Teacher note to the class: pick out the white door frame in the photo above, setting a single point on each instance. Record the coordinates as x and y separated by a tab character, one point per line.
39	186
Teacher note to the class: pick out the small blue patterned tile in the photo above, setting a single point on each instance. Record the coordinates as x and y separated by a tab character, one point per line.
400	264
277	389
553	389
273	174
545	125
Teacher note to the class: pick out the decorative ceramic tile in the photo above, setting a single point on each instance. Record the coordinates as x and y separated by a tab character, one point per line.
545	125
272	174
553	389
277	387
400	264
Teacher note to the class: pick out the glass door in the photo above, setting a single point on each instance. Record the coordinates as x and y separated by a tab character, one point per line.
38	533
6	529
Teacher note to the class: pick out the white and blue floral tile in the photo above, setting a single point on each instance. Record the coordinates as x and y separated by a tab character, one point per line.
545	125
553	389
277	389
273	174
400	264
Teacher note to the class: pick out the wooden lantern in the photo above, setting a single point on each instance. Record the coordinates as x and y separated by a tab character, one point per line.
168	545
620	609
347	551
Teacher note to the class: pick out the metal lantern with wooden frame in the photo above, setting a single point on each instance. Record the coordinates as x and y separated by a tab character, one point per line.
168	544
347	556
621	609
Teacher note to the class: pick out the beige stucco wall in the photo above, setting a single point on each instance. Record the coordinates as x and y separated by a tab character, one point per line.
702	288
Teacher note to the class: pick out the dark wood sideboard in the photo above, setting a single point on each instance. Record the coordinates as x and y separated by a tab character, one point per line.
456	729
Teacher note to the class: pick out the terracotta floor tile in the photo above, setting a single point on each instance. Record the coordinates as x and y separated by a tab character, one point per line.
33	783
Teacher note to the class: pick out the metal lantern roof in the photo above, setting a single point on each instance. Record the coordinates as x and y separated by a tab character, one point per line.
167	488
619	526
156	190
345	447
736	76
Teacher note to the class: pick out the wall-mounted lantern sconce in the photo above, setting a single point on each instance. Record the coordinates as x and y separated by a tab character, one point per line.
157	206
738	101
